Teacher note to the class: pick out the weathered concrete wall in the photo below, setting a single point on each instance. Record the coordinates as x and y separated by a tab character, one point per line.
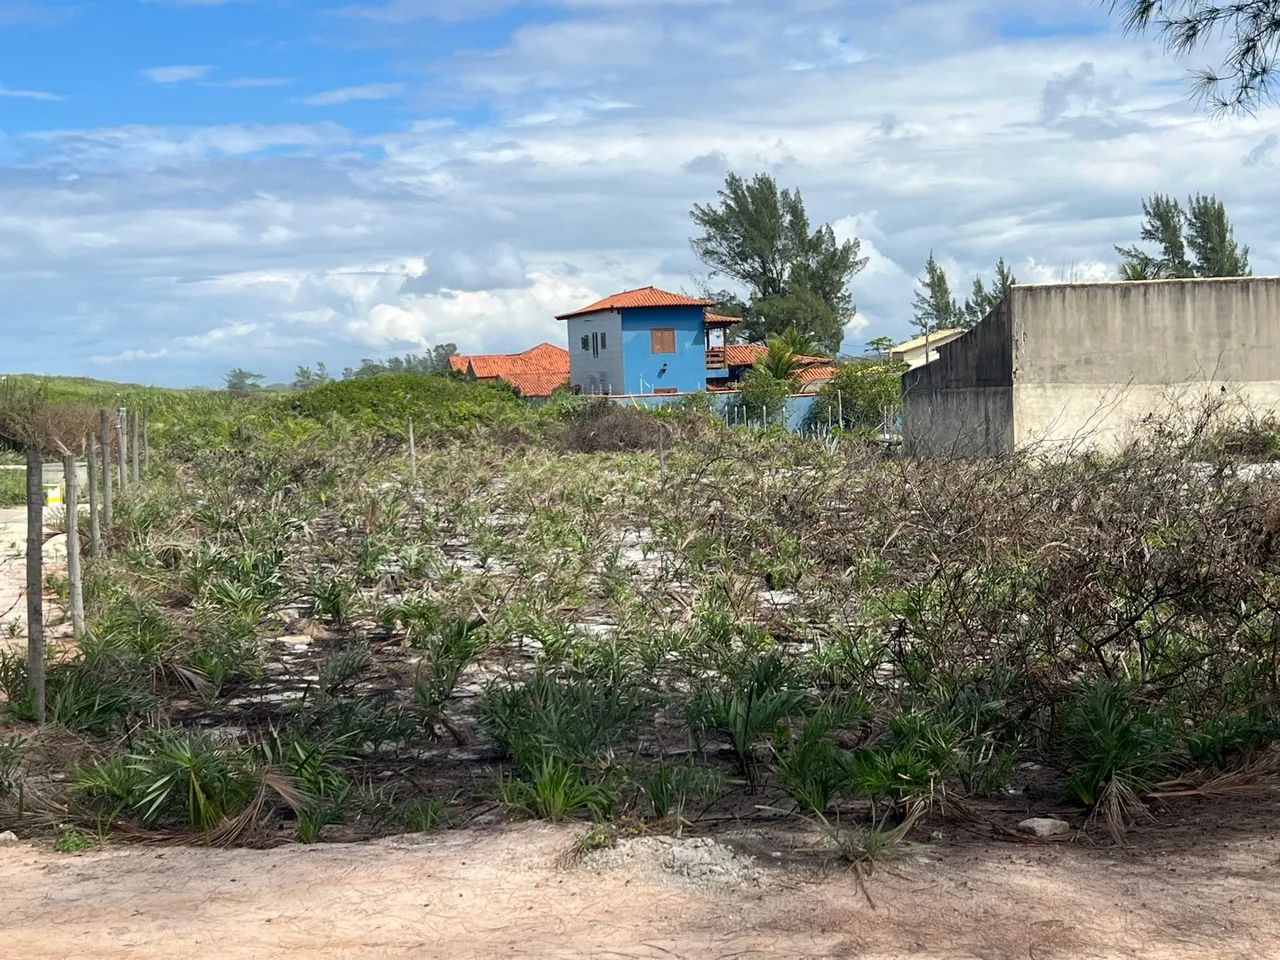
1093	362
961	404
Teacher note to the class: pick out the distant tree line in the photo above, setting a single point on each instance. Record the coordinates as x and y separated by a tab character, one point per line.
435	360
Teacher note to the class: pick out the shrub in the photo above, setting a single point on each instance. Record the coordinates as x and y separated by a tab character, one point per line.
749	705
601	426
384	404
866	393
1115	751
570	720
553	789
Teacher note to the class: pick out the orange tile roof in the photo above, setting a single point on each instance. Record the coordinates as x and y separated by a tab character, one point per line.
634	299
536	384
745	354
535	372
719	319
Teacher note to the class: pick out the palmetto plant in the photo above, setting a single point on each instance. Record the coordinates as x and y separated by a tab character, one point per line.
446	654
574	720
749	706
554	789
1116	750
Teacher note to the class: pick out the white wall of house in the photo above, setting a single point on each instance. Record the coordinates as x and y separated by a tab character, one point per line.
595	352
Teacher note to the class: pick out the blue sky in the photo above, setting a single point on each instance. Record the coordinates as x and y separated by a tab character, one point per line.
192	185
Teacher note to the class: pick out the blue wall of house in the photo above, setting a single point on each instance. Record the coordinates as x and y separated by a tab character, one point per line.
795	416
643	370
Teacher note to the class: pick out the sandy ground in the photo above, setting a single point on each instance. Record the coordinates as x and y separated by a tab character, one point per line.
13	575
499	893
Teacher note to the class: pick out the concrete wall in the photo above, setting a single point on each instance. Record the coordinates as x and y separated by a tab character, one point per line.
1088	365
591	368
961	404
646	371
1093	362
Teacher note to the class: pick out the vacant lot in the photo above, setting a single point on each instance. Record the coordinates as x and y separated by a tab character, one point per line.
777	696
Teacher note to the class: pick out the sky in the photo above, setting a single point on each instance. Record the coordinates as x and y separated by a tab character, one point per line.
188	186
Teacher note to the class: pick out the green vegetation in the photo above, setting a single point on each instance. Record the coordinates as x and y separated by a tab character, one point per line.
589	611
796	277
1195	241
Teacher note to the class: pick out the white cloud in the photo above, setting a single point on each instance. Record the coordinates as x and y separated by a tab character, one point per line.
18	94
602	123
367	91
177	73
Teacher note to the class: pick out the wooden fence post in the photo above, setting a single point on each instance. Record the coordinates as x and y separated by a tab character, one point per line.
122	448
35	579
146	442
95	528
133	423
103	429
71	477
413	454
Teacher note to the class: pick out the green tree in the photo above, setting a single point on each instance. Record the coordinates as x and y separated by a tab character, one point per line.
240	380
983	299
1195	241
862	396
759	236
1212	240
880	346
934	306
1247	32
802	310
304	377
436	360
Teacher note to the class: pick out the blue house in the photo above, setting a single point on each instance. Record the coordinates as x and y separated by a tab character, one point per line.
647	341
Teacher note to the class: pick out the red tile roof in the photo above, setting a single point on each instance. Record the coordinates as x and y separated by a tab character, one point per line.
634	299
719	319
535	372
745	354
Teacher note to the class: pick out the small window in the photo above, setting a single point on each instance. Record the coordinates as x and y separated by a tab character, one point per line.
586	342
665	390
662	340
604	343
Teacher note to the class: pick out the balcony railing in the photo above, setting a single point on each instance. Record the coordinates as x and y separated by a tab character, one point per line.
716	358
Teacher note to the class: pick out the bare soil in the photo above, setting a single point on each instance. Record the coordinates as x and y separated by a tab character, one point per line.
1181	890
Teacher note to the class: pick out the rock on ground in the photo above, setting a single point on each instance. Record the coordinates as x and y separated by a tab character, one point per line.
1044	827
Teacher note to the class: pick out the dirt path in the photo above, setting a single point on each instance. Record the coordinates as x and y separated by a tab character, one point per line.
468	894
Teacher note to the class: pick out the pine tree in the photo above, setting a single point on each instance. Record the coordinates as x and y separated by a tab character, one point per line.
983	299
1202	227
935	307
1212	240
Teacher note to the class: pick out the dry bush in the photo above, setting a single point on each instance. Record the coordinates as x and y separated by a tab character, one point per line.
28	419
603	427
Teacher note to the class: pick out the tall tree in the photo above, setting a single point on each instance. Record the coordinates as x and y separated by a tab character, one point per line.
1212	240
1246	31
934	306
1202	229
983	299
880	346
239	380
759	236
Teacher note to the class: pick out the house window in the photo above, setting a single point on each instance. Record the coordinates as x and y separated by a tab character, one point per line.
665	390
662	340
586	342
604	345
